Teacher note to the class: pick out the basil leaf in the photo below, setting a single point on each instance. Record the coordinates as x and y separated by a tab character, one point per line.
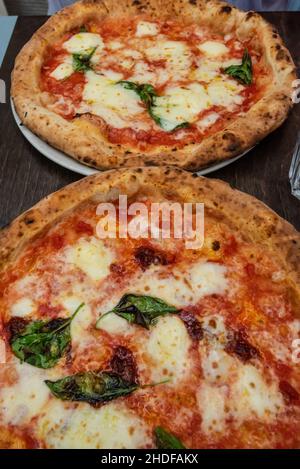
165	440
243	72
147	94
83	29
43	343
165	124
141	310
92	387
81	62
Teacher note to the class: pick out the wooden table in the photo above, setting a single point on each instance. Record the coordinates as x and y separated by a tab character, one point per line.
26	176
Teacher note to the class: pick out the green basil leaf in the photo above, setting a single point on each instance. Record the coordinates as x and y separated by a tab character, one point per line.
243	72
140	309
43	343
147	94
129	85
92	387
81	62
83	29
146	91
165	440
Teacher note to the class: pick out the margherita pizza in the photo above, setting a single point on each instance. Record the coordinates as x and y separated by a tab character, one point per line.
141	342
134	83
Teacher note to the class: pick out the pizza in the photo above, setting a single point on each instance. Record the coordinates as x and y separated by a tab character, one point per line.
141	342
134	83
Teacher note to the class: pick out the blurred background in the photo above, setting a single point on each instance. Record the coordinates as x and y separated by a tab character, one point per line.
42	7
24	7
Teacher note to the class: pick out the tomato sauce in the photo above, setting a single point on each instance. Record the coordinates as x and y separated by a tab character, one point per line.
177	408
71	88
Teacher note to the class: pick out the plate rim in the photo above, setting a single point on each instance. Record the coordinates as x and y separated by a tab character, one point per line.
70	163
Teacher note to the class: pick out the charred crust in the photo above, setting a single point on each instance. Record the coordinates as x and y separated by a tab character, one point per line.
232	141
29	220
226	9
282	55
193	2
250	15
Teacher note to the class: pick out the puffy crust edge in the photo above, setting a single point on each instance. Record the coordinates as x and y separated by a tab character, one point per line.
83	140
241	212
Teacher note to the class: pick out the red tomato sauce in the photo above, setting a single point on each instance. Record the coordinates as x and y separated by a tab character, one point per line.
71	88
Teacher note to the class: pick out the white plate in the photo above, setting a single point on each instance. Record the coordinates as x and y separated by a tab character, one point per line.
67	162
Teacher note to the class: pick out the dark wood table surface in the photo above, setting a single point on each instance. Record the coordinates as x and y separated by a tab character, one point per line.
26	176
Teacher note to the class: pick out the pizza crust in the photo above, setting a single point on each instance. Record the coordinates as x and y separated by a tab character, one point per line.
82	140
241	212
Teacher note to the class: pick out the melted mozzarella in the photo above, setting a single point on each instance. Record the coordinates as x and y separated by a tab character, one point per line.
217	365
213	48
111	101
145	28
112	426
168	347
142	73
214	325
91	256
83	42
180	105
240	388
114	45
112	75
206	70
252	395
64	70
211	401
132	53
182	287
176	54
82	320
23	307
208	120
97	56
114	324
26	398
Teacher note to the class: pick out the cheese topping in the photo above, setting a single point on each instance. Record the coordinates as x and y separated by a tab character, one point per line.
213	48
113	426
183	287
63	70
91	257
176	54
193	379
225	93
24	400
208	120
82	43
145	28
111	101
180	105
23	307
168	347
186	69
